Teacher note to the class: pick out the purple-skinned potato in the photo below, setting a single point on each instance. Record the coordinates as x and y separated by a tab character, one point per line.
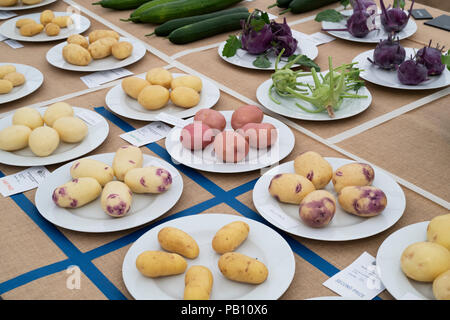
362	201
77	192
317	209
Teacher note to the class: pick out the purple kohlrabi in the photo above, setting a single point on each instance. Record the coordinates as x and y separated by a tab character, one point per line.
359	24
431	58
280	29
283	39
256	42
394	19
410	72
388	54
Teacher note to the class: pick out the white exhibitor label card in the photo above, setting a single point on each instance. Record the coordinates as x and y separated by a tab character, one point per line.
320	38
150	133
7	14
359	280
23	181
172	120
279	216
98	78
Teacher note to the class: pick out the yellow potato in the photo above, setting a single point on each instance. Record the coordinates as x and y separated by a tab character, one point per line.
98	34
313	166
153	97
46	17
5	69
43	141
133	86
56	111
62	21
184	97
438	230
28	117
122	50
230	236
125	159
78	39
155	264
16	78
441	286
177	241
116	199
5	86
7	3
290	187
70	129
31	29
76	193
52	29
14	137
198	283
24	21
159	76
189	81
29	2
424	261
241	268
149	179
76	55
98	170
101	48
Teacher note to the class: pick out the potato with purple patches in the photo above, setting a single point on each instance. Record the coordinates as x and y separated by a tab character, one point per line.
314	167
116	199
317	208
125	159
98	170
353	174
290	187
365	201
77	192
150	179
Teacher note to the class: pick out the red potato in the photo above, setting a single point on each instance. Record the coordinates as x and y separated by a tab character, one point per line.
246	114
259	135
196	136
214	119
230	146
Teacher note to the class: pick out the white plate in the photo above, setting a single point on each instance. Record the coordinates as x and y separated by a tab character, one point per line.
262	243
287	107
344	226
388	263
66	151
54	57
244	59
388	78
91	218
21	6
205	160
33	80
372	37
9	29
120	103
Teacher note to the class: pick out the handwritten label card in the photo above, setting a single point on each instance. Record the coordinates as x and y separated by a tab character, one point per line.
150	133
22	181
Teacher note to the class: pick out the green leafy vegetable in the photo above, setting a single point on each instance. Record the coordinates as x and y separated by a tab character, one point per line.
231	46
445	58
304	61
401	4
345	3
330	15
262	62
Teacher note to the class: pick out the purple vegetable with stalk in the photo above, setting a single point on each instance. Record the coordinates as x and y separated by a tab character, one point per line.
282	38
431	59
388	54
394	19
411	72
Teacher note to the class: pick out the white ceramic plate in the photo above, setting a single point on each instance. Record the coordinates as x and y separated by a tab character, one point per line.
21	6
343	226
388	78
66	151
244	59
205	160
9	29
287	107
263	243
331	298
374	36
54	57
120	103
33	80
91	218
388	263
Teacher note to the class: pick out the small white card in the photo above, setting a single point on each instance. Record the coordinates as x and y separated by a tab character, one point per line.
88	117
98	78
13	43
2	37
22	181
283	219
150	133
172	120
359	280
320	38
7	14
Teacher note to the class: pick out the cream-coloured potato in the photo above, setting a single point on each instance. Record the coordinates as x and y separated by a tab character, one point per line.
7	3
46	17
133	86
43	141
438	230
79	40
28	117
101	33
177	241
76	55
122	50
198	283
52	29
71	129
184	97
149	179
365	201
101	48
159	76
16	78
31	1
353	174
5	69
156	264
56	111
116	199
153	97
14	137
314	167
239	267
31	29
98	170
425	261
317	208
76	193
290	187
62	21
189	81
230	236
441	286
5	86
125	159
24	21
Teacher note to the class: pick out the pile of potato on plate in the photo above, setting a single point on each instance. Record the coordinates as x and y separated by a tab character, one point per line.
159	87
352	182
10	3
100	44
92	178
48	22
43	134
429	261
179	245
10	78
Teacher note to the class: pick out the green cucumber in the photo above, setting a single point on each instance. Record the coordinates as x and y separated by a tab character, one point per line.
208	28
135	15
167	27
120	4
280	4
300	6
